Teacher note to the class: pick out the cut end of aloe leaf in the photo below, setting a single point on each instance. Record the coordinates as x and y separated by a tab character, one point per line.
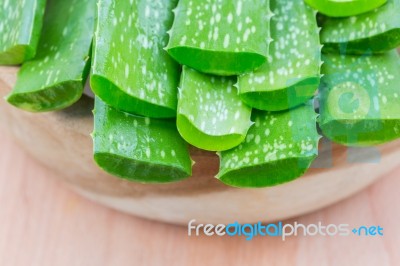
340	8
362	133
359	99
279	148
217	62
56	97
281	99
201	140
373	32
138	171
211	115
268	174
16	55
122	100
230	37
377	44
138	148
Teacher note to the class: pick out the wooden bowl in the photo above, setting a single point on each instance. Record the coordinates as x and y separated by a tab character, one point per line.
60	140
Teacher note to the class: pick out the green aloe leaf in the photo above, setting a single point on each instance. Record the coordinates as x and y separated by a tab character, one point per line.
292	74
20	26
138	148
278	148
359	99
344	8
130	69
54	79
374	32
221	37
211	115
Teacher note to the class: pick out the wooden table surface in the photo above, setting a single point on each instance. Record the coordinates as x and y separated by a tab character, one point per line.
42	222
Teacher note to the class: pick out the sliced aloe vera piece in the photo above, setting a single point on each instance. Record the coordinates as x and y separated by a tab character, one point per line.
373	32
20	26
138	148
344	8
278	148
221	37
55	78
292	74
211	115
130	69
359	99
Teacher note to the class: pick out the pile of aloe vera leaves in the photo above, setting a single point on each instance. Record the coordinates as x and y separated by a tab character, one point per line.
249	80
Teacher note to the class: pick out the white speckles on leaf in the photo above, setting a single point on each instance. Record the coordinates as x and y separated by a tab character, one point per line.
130	54
224	28
266	145
148	152
226	40
377	31
53	79
357	106
294	57
20	25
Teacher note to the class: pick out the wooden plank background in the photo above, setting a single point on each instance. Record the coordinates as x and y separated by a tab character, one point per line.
42	222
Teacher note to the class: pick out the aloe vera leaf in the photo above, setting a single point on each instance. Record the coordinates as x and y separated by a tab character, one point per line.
221	37
359	99
138	148
292	74
278	148
340	8
211	115
54	79
130	69
374	32
20	26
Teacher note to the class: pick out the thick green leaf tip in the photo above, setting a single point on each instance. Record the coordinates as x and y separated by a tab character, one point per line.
130	69
279	148
138	148
359	99
54	79
373	32
292	74
221	37
20	27
340	8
